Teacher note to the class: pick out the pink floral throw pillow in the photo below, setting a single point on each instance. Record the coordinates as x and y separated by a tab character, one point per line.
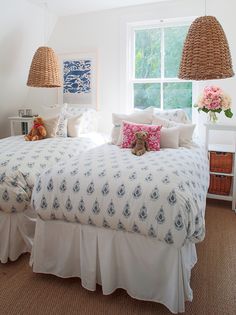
128	135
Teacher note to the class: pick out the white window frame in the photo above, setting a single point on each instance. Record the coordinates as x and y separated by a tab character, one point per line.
131	80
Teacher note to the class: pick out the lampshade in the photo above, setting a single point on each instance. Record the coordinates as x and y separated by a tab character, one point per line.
206	54
44	69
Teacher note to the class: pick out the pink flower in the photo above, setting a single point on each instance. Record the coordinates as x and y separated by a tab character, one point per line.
214	98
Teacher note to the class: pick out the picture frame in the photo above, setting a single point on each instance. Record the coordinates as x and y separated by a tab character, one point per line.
79	79
21	112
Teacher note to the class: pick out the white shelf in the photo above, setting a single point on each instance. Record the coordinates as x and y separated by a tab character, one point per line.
222	148
21	118
220	126
17	120
220	197
223	174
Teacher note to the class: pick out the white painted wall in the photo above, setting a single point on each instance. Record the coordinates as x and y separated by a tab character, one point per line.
21	33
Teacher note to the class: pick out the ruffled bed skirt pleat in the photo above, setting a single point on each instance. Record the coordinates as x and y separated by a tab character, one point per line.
16	234
146	268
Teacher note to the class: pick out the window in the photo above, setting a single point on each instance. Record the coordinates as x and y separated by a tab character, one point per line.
155	57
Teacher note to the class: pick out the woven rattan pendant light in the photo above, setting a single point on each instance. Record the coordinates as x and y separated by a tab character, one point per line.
44	69
206	54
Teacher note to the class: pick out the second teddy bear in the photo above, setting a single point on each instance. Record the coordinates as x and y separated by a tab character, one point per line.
140	145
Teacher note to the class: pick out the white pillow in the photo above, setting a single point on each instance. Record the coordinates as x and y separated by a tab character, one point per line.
51	125
51	111
177	115
163	122
90	119
74	125
60	111
185	134
185	130
138	117
170	137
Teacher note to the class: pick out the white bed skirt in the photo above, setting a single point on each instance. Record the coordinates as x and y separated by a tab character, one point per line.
16	234
147	269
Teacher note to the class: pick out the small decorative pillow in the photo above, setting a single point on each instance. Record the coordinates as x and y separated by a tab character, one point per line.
185	130
60	111
128	135
170	137
51	125
185	134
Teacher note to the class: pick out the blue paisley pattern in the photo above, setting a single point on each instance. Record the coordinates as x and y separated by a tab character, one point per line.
21	162
161	195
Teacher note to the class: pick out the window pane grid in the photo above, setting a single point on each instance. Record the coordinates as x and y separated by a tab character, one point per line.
146	77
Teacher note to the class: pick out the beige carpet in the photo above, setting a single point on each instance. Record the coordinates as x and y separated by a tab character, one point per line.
213	281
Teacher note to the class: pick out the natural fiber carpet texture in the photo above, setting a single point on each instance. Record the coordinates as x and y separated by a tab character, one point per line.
213	281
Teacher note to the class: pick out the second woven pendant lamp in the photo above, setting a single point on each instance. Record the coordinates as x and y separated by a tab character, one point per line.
206	54
44	69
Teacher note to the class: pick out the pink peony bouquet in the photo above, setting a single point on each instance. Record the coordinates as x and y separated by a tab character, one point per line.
214	100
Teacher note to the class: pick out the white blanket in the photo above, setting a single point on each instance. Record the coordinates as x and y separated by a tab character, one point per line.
160	194
21	162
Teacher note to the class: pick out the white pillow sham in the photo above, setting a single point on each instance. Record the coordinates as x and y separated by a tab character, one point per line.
177	115
138	117
51	111
170	137
185	130
51	125
60	111
74	125
90	117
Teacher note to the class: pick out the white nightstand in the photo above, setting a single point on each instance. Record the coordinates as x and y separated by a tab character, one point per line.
27	120
228	149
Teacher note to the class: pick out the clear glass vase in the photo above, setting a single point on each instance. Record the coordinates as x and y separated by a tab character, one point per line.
212	118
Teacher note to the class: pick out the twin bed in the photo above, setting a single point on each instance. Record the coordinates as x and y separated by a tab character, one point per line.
109	217
21	162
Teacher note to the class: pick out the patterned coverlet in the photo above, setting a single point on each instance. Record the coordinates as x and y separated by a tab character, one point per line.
160	194
21	162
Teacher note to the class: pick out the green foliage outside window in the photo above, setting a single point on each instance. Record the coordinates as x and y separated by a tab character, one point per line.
174	41
148	53
176	94
147	94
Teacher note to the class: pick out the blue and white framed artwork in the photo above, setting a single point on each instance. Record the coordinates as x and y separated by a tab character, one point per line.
79	79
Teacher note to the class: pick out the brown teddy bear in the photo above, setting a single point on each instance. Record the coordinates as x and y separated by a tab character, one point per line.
140	145
38	131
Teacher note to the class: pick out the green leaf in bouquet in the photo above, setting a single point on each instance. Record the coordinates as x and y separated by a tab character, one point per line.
228	113
205	110
219	110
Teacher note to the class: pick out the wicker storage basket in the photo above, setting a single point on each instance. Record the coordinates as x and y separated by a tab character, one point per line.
221	162
220	184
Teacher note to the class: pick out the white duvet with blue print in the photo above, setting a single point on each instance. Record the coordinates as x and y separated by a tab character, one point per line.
22	161
160	194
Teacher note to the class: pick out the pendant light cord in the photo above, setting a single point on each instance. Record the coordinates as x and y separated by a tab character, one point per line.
45	23
205	6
